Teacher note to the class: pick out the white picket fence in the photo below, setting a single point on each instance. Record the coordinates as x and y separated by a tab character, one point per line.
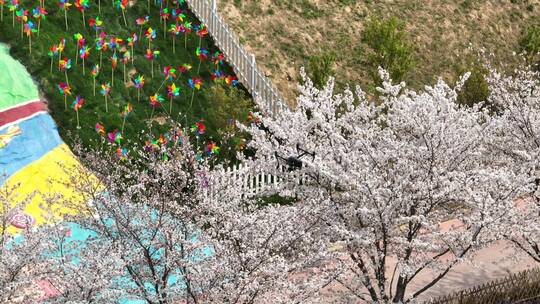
243	63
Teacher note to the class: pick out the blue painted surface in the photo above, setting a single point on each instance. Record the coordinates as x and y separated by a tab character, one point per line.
39	135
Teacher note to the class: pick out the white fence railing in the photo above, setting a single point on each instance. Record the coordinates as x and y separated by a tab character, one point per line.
243	63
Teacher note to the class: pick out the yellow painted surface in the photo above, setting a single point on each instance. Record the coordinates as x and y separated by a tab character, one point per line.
46	177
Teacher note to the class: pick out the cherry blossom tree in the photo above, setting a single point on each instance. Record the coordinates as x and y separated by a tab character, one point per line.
19	249
517	140
404	184
164	226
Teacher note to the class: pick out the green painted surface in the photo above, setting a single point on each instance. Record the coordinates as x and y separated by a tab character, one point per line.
16	85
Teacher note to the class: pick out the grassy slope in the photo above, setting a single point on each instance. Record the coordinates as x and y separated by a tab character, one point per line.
214	102
283	33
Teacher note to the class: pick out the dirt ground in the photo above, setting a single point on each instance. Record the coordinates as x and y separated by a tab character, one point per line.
284	33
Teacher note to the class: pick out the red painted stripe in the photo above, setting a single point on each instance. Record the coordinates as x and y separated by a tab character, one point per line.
23	111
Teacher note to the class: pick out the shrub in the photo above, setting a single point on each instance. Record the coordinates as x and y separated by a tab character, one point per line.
320	67
390	48
476	88
530	43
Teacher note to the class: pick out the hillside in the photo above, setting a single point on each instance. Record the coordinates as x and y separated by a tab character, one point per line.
283	34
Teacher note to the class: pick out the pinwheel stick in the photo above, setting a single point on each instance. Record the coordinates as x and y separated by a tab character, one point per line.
13	18
124	16
99	6
52	59
112	76
185	41
170	107
162	83
65	19
83	68
199	67
30	44
152	67
38	26
173	44
106	105
65	73
77	112
94	86
138	94
83	20
76	52
65	101
192	95
152	115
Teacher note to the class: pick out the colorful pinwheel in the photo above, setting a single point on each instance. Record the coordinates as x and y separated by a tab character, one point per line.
95	73
64	6
142	21
231	80
122	4
155	101
13	6
61	46
131	40
201	32
150	34
29	29
101	46
202	53
105	90
186	28
65	90
163	17
83	53
138	82
172	91
114	63
100	129
218	59
175	30
211	148
65	65
217	76
125	113
39	14
122	153
76	105
96	24
126	57
184	67
177	15
79	42
82	5
169	72
194	83
115	136
199	128
53	51
22	17
151	55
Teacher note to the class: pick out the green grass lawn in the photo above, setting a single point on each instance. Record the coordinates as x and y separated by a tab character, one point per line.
218	104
